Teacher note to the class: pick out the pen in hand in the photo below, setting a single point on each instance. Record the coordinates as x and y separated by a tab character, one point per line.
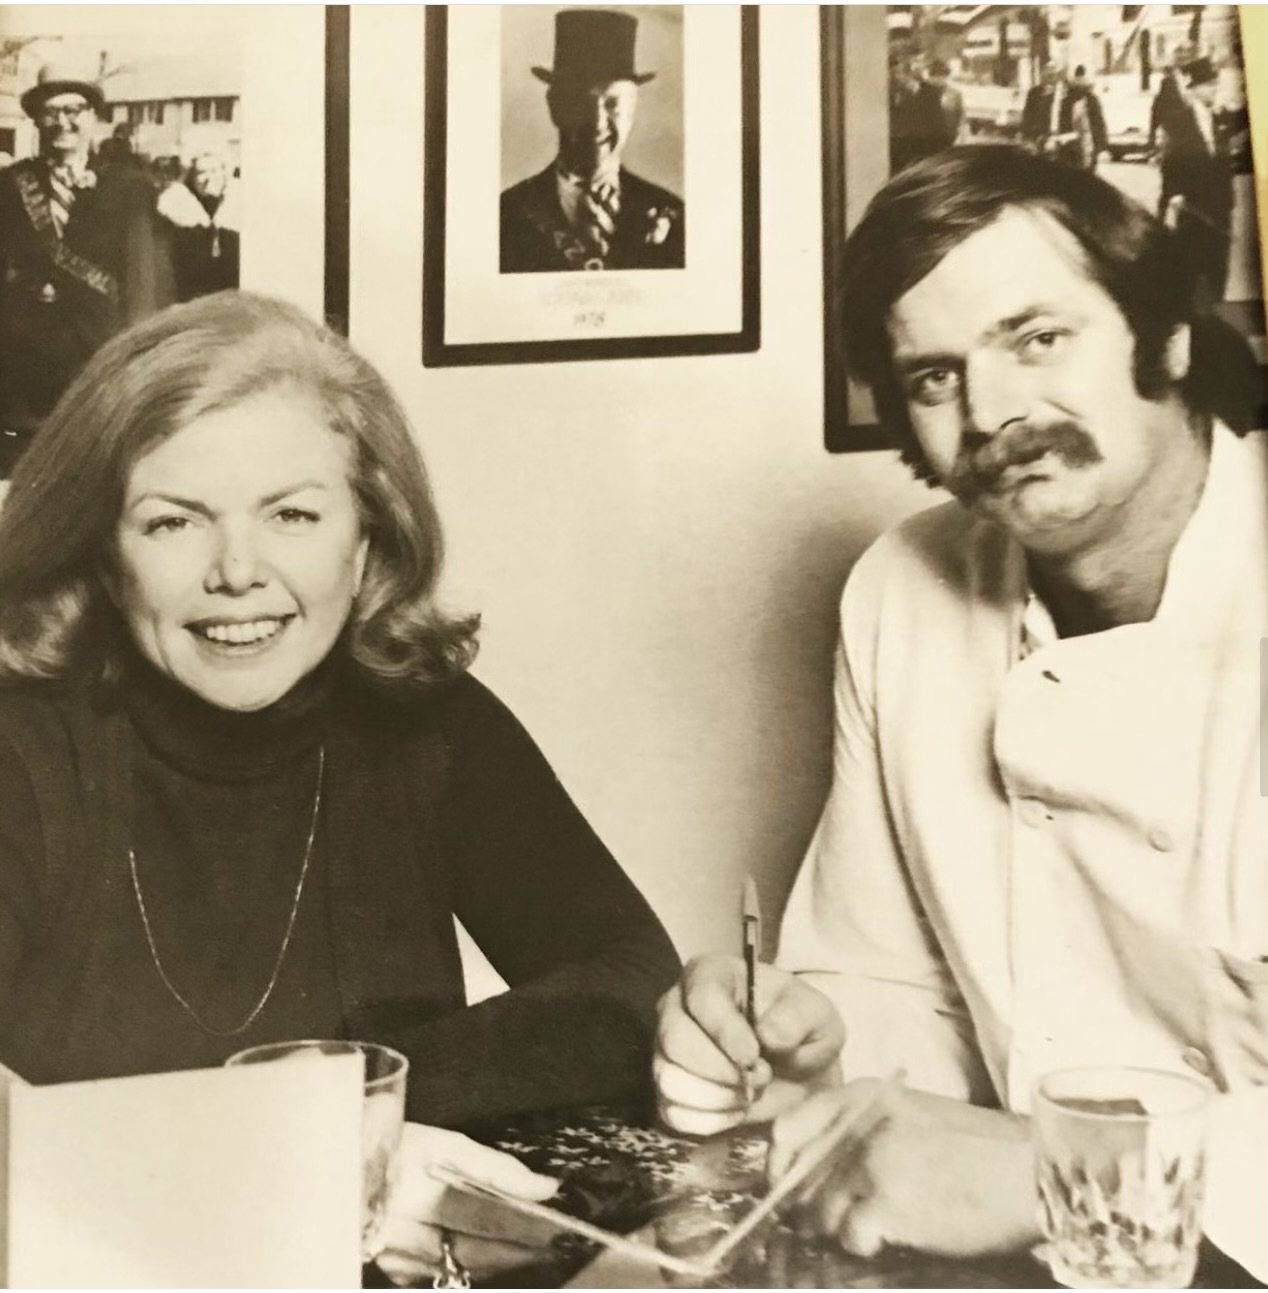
751	940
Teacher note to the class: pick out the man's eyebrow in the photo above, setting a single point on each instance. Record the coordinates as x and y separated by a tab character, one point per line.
1018	320
912	363
947	359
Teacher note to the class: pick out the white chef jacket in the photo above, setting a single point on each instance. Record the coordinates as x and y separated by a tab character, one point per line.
1039	853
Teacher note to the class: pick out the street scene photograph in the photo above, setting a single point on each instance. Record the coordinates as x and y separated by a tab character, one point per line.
1150	97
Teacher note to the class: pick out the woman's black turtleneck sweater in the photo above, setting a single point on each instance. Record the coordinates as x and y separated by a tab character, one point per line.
431	807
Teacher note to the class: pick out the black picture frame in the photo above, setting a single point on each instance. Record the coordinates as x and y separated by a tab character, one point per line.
337	180
439	349
855	164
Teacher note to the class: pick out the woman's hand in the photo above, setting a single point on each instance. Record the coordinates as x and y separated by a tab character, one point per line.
486	1237
705	1046
929	1173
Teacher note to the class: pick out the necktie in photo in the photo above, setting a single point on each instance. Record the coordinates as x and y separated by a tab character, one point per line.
61	196
601	203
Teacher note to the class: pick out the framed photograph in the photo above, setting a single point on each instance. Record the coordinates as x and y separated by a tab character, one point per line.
150	155
590	182
337	175
121	140
1089	85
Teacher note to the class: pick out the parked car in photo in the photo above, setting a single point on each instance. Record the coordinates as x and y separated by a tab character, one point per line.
993	111
1126	108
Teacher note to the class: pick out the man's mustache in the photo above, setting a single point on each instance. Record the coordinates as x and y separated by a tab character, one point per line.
983	460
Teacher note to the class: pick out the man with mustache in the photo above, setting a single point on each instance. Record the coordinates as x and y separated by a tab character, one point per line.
1046	841
81	254
586	210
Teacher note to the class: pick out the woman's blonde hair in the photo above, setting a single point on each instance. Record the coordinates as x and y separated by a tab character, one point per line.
58	523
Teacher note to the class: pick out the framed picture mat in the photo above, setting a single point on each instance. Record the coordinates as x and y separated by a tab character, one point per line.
441	350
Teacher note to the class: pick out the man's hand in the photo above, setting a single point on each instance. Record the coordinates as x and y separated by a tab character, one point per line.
932	1174
486	1238
705	1046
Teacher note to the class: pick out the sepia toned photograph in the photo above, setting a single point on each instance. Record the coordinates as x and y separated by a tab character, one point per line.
547	743
605	111
121	141
556	195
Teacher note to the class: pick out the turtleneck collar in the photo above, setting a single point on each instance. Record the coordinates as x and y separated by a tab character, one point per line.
204	740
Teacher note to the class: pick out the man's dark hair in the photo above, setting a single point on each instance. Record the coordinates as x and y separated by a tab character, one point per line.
934	205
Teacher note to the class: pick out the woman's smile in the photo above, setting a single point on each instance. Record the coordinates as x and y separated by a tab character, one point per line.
241	636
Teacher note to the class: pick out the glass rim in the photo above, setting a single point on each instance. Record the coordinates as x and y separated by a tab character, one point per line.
341	1046
1201	1090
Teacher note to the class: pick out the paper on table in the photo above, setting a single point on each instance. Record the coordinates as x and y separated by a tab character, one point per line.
853	1126
219	1178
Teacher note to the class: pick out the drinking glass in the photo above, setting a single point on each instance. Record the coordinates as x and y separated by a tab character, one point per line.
1120	1164
382	1120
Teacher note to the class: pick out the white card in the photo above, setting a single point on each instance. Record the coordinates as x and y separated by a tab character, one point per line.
246	1177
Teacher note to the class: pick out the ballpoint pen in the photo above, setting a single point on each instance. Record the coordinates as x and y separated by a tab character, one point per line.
751	940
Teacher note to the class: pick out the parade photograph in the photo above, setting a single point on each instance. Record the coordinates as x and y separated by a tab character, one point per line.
1150	97
120	140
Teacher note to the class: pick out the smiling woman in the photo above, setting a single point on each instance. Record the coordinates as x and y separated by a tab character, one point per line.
246	782
237	566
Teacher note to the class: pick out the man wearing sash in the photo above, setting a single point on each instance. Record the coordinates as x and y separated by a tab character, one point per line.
80	255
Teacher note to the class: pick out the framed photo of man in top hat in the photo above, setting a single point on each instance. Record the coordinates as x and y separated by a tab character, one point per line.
569	212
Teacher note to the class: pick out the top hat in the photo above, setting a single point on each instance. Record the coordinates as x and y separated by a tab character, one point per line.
593	47
61	78
1201	71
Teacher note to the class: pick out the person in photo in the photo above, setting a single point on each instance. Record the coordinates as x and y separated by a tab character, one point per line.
82	254
1062	118
587	210
1200	207
203	212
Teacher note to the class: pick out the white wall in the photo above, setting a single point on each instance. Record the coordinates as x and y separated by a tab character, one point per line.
657	545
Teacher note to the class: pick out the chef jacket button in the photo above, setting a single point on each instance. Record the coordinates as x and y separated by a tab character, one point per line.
1031	812
1161	839
1197	1059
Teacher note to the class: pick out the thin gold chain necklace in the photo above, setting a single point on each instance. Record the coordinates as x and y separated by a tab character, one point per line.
286	938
